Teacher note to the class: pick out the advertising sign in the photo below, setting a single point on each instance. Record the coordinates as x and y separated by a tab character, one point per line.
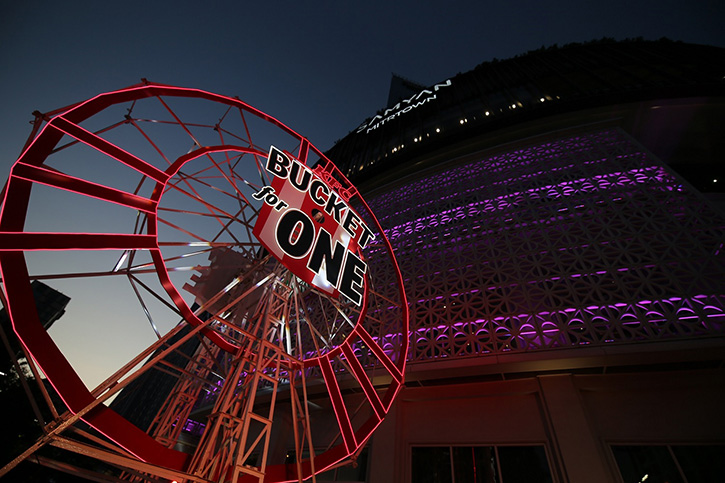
311	230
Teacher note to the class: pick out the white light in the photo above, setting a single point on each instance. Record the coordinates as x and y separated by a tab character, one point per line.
231	285
321	277
438	129
120	261
542	99
714	181
488	113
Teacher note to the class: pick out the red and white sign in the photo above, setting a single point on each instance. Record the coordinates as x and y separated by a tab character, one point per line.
311	229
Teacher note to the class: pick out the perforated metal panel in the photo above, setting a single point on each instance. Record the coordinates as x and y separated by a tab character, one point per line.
584	241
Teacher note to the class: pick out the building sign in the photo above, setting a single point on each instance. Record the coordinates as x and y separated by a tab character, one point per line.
311	230
402	107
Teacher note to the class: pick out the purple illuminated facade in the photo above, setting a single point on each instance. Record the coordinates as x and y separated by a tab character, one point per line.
558	220
585	240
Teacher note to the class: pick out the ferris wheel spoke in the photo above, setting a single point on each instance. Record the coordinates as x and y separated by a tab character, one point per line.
56	179
337	327
166	209
203	242
214	210
227	228
304	317
194	195
380	353
152	292
211	241
232	135
144	307
134	123
376	294
176	227
316	336
210	244
237	193
362	378
75	241
338	404
108	148
248	227
179	121
246	128
72	275
100	131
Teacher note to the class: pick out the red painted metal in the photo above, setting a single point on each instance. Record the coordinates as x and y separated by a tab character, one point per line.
329	362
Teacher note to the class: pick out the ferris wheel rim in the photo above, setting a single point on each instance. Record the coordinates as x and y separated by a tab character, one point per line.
11	255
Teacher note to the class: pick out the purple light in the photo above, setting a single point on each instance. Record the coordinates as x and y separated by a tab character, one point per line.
503	202
582	241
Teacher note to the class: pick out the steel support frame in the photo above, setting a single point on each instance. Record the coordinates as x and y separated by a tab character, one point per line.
65	421
229	440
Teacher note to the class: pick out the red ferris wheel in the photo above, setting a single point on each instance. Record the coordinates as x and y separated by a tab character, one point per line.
224	227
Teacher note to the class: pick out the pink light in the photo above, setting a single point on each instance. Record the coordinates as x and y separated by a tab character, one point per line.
30	169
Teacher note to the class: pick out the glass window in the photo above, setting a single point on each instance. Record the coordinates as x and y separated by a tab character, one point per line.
701	464
480	464
524	464
671	463
432	465
653	464
475	464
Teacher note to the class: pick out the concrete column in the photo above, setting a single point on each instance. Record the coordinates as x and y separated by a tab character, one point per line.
578	445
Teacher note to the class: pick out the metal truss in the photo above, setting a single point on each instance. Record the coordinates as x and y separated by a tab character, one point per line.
139	204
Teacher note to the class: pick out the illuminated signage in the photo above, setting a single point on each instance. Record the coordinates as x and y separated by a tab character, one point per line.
402	107
311	230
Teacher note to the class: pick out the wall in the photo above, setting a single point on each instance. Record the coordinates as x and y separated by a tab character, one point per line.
576	417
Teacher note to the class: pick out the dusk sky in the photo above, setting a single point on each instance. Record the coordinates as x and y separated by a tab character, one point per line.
319	67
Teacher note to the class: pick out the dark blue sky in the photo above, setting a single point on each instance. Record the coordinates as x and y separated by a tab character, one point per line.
319	67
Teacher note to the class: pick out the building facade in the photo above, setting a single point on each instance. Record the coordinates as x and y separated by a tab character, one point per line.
556	219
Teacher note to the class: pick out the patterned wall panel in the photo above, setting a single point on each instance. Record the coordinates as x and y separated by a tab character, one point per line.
586	240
